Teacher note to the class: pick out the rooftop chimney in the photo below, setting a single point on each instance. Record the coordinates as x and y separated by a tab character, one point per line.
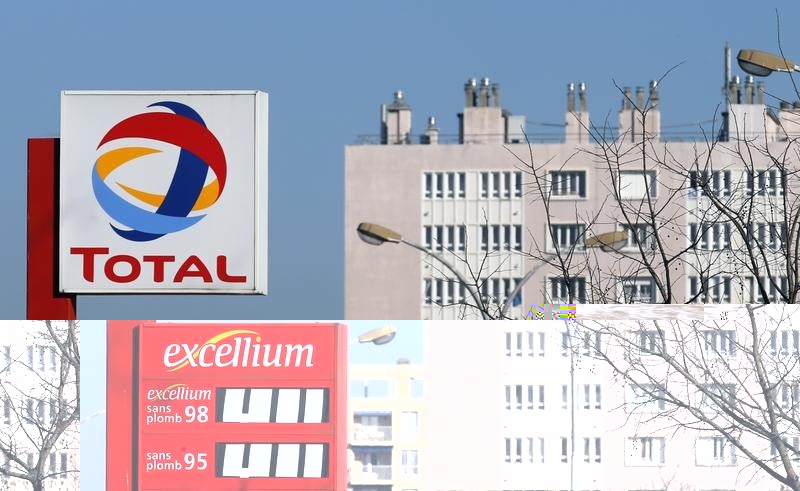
759	92
748	89
469	90
640	98
654	93
431	136
627	99
496	94
483	95
582	96
570	97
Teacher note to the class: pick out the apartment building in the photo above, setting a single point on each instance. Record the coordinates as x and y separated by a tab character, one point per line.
385	408
475	201
34	399
521	406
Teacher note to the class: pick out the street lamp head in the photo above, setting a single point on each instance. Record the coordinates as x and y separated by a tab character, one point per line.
376	234
761	63
379	336
610	240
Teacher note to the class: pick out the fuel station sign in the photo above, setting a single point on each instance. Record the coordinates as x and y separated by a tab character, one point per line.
229	406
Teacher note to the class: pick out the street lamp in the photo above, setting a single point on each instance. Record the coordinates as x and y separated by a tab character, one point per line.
761	63
379	336
610	241
377	235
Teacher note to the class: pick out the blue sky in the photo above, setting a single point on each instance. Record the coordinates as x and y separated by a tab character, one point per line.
406	344
328	66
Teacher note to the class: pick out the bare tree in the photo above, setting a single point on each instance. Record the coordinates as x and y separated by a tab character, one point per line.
736	380
703	219
40	394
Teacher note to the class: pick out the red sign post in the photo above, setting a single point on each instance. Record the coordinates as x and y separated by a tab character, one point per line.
227	406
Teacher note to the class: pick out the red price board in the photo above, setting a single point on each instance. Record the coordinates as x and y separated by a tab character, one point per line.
230	406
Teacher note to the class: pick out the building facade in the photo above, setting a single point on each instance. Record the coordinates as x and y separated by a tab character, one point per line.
529	406
37	393
385	408
702	219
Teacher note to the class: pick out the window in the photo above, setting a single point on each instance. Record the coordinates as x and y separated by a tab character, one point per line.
514	450
416	388
63	468
501	184
409	425
638	290
410	463
645	451
592	345
715	450
591	396
568	236
784	342
775	288
788	396
770	236
637	184
568	183
501	237
565	344
710	290
649	342
42	358
639	234
717	182
535	450
564	396
439	291
370	388
444	185
792	445
440	238
719	341
591	450
7	355
765	182
6	402
710	236
571	290
712	394
645	398
564	449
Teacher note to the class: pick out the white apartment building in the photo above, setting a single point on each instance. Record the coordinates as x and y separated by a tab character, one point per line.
385	407
472	199
30	407
505	412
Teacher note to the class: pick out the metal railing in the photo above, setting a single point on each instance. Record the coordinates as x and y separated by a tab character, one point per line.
370	472
363	433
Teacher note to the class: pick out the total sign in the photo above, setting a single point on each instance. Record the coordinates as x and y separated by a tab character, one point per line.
163	192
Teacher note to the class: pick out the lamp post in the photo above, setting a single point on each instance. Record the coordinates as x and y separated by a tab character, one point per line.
610	241
377	235
379	336
761	63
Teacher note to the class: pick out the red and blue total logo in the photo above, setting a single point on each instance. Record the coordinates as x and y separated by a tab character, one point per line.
188	191
144	216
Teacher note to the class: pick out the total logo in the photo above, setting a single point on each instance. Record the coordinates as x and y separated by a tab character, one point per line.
188	191
143	215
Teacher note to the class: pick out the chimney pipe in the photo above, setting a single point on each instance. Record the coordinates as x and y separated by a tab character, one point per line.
759	92
570	97
640	98
469	91
496	94
483	97
582	96
398	96
654	97
748	89
626	99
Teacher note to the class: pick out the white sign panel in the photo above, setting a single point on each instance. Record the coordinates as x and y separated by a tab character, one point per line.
163	192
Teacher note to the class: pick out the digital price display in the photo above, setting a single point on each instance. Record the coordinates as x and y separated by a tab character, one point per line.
240	407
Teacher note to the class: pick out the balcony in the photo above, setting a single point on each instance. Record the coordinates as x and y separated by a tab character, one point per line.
369	433
369	473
